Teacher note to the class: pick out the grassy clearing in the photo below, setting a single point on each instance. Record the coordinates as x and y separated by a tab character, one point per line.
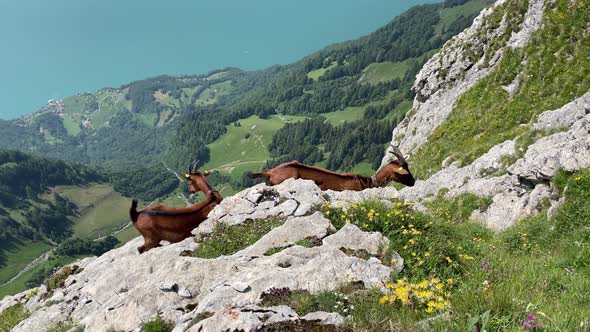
233	153
109	103
102	209
449	15
211	95
557	71
227	240
10	317
349	114
537	272
75	104
316	74
20	256
19	284
379	72
72	124
126	235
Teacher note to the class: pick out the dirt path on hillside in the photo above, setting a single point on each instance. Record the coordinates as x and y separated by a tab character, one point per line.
43	258
236	163
29	266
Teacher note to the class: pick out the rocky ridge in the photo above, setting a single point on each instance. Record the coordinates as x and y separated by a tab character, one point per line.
521	188
122	289
462	62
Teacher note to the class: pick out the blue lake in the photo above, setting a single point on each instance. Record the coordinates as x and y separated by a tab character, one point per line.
52	49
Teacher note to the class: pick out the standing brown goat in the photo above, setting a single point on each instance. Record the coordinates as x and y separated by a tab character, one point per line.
159	223
395	170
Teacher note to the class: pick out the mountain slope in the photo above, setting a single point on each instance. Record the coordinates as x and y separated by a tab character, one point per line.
502	108
178	119
44	203
291	257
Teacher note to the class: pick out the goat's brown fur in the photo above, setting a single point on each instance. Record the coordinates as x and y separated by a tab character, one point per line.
396	170
159	223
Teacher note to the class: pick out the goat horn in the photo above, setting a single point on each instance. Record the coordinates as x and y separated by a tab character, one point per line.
396	152
194	169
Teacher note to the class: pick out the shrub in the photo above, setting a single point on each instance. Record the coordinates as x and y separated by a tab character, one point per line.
157	324
10	317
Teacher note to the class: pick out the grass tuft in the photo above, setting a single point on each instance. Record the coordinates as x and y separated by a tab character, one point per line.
10	317
227	240
157	324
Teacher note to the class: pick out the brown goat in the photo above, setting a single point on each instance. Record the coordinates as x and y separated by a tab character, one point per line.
395	170
159	223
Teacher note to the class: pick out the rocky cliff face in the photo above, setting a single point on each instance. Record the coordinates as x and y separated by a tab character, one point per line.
521	187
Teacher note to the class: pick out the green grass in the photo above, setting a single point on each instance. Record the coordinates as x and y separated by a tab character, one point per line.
316	74
109	103
363	168
72	124
102	209
556	72
58	279
149	119
449	15
157	325
379	72
303	302
75	104
349	114
19	257
127	234
19	284
538	266
211	95
10	317
227	240
233	154
65	327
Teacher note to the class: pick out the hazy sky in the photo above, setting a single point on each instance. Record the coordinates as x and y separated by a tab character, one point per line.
55	48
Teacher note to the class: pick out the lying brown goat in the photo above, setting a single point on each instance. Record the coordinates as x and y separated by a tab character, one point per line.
395	170
159	223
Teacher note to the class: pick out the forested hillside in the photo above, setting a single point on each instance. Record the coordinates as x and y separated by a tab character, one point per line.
46	202
132	129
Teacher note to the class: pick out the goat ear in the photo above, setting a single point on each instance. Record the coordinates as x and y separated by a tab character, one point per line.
206	173
188	176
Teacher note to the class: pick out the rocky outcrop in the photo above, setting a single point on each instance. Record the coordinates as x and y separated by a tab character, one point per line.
522	189
122	289
463	61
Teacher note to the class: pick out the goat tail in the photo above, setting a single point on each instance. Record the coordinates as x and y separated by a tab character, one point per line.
133	211
258	175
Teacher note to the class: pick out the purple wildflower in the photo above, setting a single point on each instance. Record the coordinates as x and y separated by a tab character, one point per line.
485	265
526	324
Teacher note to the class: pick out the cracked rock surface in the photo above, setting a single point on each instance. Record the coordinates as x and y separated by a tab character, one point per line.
122	289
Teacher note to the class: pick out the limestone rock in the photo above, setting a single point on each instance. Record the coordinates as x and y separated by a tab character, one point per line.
351	237
326	318
240	286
